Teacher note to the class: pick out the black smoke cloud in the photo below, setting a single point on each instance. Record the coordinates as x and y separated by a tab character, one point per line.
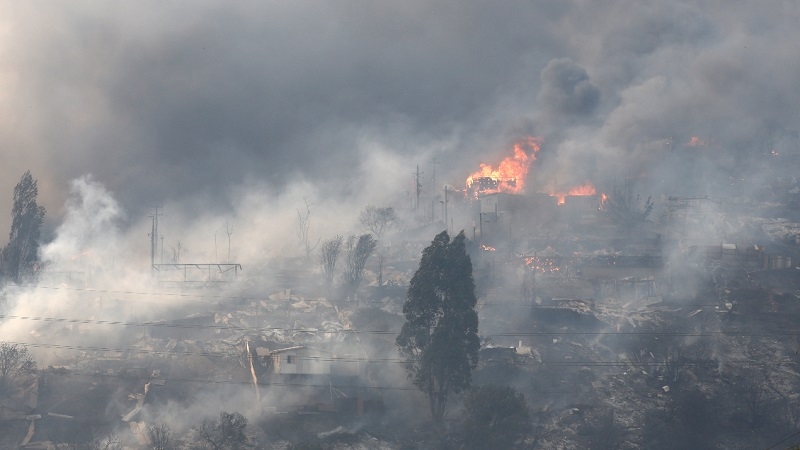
567	91
169	102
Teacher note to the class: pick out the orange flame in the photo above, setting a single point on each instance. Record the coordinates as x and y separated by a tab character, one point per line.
509	176
578	191
696	142
586	189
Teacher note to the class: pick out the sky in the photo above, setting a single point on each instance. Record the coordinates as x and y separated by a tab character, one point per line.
216	106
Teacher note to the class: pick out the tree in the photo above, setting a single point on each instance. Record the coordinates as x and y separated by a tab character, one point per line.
328	256
15	361
21	255
86	438
303	224
494	417
626	209
377	220
439	341
752	388
229	232
225	433
176	252
161	437
358	251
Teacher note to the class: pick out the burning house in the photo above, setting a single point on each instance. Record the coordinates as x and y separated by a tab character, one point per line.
509	175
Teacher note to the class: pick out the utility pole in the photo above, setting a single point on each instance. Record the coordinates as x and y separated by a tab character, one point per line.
229	232
445	205
434	190
154	237
419	187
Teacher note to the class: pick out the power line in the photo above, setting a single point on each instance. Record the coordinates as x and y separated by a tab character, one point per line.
350	359
244	297
782	440
734	333
281	384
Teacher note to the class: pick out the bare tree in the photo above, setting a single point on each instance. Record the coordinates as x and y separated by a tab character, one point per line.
626	209
303	224
176	252
229	232
377	220
161	437
328	256
87	439
751	387
358	251
672	352
225	433
15	361
608	432
381	256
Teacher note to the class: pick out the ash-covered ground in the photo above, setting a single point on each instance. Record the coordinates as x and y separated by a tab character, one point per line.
651	337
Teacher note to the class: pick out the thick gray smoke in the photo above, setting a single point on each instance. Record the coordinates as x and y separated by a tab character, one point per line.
237	119
164	104
566	90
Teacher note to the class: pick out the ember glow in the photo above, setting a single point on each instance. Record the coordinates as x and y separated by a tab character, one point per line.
487	248
509	176
543	265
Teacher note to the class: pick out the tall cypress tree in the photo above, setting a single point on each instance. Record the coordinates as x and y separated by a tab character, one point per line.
439	341
22	252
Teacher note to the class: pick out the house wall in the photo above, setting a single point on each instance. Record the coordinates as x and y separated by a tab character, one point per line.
302	362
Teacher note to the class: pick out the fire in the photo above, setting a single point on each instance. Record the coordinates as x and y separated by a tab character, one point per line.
509	176
586	189
579	191
487	248
696	142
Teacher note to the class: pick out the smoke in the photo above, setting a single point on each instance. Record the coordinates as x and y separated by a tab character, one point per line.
89	232
236	120
566	90
180	110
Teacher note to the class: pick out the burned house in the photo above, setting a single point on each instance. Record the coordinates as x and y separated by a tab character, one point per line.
294	362
497	355
315	379
307	364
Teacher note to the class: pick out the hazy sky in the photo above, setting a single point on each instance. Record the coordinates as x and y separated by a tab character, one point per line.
188	101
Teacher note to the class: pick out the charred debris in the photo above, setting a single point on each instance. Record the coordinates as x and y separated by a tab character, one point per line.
681	326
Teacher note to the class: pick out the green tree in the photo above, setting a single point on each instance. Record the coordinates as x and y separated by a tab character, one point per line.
21	255
494	417
439	341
